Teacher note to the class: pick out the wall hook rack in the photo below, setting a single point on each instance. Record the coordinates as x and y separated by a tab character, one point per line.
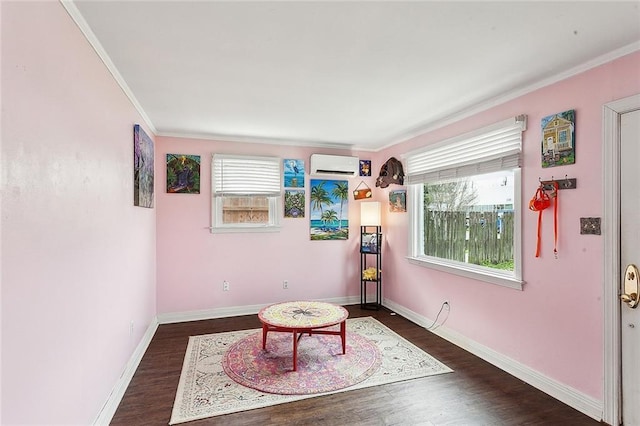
566	183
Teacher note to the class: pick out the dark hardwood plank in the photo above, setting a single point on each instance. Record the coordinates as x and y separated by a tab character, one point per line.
476	393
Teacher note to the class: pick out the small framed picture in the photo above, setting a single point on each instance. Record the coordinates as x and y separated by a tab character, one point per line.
183	174
558	145
398	201
365	167
294	203
293	173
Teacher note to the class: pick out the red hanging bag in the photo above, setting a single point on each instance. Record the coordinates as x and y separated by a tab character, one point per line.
538	203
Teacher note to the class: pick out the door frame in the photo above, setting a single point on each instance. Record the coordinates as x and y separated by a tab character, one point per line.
612	398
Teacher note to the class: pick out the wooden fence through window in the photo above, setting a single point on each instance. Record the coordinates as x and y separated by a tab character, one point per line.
474	237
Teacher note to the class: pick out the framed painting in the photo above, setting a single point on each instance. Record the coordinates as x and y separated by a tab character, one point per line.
558	145
329	211
294	203
293	173
142	168
365	167
398	201
183	174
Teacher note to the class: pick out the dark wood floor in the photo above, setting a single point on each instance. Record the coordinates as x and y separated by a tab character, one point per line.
476	393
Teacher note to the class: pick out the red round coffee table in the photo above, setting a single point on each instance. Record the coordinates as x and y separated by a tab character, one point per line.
303	317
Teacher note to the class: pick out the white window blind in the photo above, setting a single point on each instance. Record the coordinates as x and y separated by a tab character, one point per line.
246	175
490	149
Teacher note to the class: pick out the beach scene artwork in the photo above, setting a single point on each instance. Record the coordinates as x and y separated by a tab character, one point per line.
329	209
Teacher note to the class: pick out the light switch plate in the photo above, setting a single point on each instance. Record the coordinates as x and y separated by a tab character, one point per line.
590	225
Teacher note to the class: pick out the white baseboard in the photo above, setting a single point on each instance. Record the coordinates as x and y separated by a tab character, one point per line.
566	394
572	397
109	408
234	311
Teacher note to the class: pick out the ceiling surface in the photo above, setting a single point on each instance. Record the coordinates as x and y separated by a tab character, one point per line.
361	75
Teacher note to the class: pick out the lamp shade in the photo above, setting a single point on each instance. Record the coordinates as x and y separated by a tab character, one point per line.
370	213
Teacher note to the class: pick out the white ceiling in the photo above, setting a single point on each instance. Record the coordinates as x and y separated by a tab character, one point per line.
360	74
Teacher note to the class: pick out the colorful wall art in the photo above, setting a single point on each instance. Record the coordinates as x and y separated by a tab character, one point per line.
398	201
558	144
329	209
365	167
142	168
293	173
183	173
294	203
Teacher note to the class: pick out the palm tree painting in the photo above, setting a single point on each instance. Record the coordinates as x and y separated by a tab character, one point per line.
329	209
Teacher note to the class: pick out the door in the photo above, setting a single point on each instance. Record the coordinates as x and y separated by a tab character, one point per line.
630	254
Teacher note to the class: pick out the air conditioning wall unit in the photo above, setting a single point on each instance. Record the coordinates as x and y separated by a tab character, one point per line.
338	165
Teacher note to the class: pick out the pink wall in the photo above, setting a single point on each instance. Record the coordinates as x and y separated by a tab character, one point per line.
79	262
554	326
192	262
78	259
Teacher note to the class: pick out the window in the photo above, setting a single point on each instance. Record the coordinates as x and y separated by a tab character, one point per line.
563	139
246	193
464	204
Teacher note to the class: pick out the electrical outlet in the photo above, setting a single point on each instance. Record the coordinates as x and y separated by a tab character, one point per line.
225	285
131	328
285	284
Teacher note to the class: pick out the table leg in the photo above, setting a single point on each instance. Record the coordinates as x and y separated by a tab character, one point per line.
295	351
265	328
343	335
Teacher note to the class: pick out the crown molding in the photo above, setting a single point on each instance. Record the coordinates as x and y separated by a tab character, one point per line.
404	136
516	93
257	139
84	27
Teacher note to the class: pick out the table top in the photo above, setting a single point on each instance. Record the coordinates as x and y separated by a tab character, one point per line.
303	314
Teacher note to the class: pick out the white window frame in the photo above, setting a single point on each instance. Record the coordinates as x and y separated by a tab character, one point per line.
431	165
274	196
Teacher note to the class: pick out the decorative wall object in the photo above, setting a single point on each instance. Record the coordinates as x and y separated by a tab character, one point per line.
365	167
329	201
558	144
293	173
183	173
142	168
391	172
294	203
398	201
362	191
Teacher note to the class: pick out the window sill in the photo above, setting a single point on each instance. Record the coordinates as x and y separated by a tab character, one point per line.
244	229
469	271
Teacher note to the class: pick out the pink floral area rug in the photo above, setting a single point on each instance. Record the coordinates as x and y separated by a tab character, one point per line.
322	367
206	390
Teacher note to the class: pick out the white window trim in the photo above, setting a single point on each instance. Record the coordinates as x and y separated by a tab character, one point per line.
494	276
218	228
476	272
275	201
